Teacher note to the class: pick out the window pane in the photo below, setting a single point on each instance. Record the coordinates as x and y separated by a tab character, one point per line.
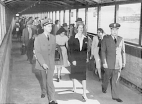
54	17
92	20
61	17
73	16
0	27
57	15
50	15
81	14
106	18
67	17
129	18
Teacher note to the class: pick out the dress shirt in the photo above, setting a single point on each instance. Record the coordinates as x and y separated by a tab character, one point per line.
80	40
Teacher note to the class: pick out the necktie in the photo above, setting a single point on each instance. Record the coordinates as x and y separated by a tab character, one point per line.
115	40
48	37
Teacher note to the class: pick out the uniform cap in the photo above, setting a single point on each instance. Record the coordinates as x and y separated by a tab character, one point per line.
46	22
114	25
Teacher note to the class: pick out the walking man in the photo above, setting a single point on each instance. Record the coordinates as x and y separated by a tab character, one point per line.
45	45
113	58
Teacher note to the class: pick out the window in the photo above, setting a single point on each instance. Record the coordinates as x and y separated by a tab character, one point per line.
57	15
92	20
129	18
0	26
53	17
50	15
67	17
61	17
73	16
81	14
106	18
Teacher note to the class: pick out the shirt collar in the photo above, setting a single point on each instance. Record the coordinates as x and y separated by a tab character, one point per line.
77	36
114	37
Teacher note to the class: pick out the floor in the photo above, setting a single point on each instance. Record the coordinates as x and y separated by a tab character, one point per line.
24	87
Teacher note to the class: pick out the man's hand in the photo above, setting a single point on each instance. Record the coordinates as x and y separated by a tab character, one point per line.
105	66
45	66
74	63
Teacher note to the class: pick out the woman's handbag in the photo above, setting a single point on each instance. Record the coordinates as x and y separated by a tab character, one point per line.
57	55
23	49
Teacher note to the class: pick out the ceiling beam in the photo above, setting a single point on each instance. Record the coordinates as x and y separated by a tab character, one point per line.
61	2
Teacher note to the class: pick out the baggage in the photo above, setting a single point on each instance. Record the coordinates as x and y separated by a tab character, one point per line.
23	49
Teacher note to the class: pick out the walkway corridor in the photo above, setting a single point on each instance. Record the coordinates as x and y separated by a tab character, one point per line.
24	87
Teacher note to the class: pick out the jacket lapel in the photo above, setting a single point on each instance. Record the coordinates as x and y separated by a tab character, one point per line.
118	41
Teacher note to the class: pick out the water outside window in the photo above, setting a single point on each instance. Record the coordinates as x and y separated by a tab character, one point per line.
106	18
129	18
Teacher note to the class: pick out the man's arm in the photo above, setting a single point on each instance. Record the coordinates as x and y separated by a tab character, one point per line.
103	52
123	54
37	52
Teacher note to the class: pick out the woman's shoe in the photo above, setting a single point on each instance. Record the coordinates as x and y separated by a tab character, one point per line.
84	98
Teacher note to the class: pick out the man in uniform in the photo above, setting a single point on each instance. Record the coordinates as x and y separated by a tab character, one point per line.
113	58
45	45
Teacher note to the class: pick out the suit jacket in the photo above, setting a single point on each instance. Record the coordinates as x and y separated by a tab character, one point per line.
113	54
45	51
25	35
75	53
55	29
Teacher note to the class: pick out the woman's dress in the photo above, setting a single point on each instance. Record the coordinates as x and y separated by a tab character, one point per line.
61	41
80	56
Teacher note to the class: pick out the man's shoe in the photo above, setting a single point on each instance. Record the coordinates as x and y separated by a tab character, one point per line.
42	95
53	102
103	90
117	99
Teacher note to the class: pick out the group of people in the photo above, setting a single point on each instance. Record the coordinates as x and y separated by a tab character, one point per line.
74	45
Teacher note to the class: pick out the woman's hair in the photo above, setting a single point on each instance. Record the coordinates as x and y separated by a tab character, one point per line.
101	30
72	25
61	30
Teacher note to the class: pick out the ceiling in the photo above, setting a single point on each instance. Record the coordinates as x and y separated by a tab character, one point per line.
32	6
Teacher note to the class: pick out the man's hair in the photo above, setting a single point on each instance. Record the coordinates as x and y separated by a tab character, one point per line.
56	22
101	30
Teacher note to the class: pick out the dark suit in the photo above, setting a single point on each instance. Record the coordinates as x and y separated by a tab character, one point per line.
45	54
113	54
80	56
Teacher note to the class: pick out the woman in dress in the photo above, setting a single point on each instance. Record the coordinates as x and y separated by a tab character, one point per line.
62	42
95	51
78	50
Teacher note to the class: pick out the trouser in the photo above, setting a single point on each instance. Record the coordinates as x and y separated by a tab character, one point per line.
112	75
38	75
48	86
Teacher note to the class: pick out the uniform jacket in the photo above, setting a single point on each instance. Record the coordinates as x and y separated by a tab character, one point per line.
113	54
45	51
25	35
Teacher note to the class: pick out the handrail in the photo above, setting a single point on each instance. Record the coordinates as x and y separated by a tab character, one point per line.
129	43
3	49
